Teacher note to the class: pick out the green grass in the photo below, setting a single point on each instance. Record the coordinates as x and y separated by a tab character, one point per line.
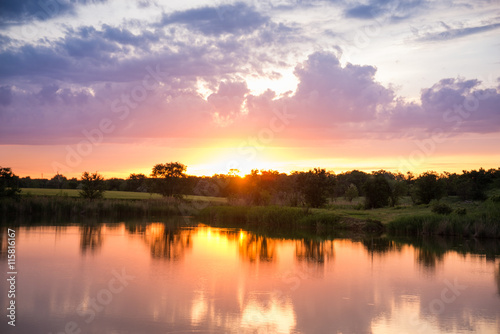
112	194
482	220
286	219
63	208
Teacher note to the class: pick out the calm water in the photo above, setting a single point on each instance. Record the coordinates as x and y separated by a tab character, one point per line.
156	278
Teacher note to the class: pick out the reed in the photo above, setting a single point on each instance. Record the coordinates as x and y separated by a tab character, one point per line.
276	218
485	225
63	207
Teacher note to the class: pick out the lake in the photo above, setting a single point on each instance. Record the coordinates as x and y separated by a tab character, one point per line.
172	278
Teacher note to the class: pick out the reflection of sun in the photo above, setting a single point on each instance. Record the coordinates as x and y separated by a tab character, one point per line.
155	230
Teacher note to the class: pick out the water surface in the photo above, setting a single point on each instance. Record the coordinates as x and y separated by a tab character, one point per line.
162	278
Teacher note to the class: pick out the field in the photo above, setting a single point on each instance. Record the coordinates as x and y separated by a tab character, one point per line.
111	194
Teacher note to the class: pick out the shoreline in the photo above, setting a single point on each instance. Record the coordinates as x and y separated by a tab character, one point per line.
469	220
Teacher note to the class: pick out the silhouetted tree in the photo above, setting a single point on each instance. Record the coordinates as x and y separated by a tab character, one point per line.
115	184
351	192
73	183
167	178
8	183
377	192
137	182
473	185
399	188
58	182
428	186
92	185
314	186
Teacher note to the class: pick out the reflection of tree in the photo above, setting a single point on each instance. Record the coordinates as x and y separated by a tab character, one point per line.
380	245
313	251
428	258
252	247
90	238
497	278
3	242
167	242
136	228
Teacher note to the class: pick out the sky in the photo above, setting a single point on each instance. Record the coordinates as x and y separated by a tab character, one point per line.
118	86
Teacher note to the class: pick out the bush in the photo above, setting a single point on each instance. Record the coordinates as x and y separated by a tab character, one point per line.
495	198
461	211
442	209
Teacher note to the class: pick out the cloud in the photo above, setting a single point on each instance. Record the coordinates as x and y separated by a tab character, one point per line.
5	95
363	12
457	33
395	9
32	61
236	18
335	102
22	11
339	94
451	105
228	100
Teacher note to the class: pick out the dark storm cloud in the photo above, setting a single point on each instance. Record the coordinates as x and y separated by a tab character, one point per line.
236	18
22	11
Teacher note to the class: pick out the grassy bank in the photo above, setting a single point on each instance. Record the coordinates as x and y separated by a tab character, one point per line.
285	219
56	207
482	222
112	194
465	219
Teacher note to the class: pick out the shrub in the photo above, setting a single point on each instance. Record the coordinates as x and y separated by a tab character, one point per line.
442	209
495	198
461	211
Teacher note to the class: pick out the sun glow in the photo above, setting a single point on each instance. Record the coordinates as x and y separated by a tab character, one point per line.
231	160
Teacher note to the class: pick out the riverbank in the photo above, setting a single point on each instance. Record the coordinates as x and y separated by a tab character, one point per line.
283	220
339	218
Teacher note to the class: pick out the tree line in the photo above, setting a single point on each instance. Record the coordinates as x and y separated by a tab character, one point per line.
311	188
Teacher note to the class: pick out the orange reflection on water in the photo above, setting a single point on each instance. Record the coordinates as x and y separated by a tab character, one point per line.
166	242
253	247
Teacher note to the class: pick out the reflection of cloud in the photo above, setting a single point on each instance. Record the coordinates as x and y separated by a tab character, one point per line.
274	317
199	308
